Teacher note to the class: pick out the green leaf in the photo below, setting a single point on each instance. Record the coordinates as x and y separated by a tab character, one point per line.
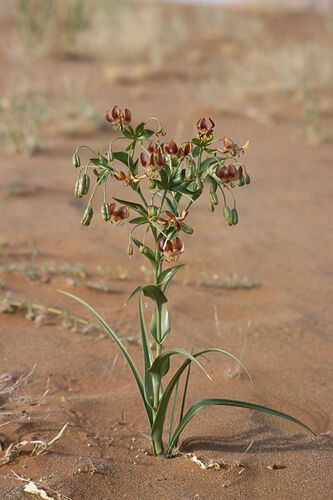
158	362
122	348
168	274
147	355
157	428
206	164
146	134
196	151
138	289
193	410
155	293
171	206
123	158
135	206
165	323
129	133
138	221
130	146
196	142
139	129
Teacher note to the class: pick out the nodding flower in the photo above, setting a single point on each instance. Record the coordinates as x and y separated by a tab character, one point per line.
156	162
205	130
170	148
229	173
171	249
117	216
128	178
172	220
118	118
154	147
232	148
185	149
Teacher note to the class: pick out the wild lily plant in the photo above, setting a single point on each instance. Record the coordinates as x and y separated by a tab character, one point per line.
175	176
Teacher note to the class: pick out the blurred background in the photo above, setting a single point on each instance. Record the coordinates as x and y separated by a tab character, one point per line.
64	61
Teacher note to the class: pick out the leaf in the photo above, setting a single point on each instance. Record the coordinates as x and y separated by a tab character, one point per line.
168	274
171	206
202	403
155	293
135	206
139	129
196	142
146	134
122	348
123	158
206	164
147	355
138	221
157	428
138	289
165	323
158	362
129	133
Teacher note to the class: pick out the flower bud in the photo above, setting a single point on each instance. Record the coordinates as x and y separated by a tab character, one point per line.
151	184
76	160
234	216
127	115
130	249
198	184
143	249
211	207
84	184
77	189
227	215
241	181
213	197
247	179
143	159
187	229
106	211
87	216
152	210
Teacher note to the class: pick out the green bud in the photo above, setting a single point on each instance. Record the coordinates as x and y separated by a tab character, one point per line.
198	184
87	216
77	190
227	215
130	250
241	181
234	216
187	229
247	179
151	210
151	184
76	160
143	249
211	207
84	184
213	197
106	211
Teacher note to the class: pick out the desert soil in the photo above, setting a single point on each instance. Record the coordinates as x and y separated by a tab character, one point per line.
281	330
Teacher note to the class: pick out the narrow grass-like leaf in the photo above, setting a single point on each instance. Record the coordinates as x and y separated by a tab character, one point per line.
147	355
149	253
137	290
165	323
135	206
168	274
173	411
157	428
129	360
138	220
202	403
159	361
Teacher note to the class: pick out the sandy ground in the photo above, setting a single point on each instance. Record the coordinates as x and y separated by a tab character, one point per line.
284	241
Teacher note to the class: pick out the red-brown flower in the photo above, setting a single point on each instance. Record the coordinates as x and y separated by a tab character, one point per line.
128	178
156	163
229	173
172	219
232	148
205	130
117	216
118	118
170	148
171	249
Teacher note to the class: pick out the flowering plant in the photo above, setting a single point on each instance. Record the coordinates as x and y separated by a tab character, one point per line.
175	177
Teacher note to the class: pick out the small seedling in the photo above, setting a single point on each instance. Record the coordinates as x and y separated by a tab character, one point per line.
175	176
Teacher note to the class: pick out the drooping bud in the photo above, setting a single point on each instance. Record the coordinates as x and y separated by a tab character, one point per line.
187	229
213	197
241	181
227	215
198	184
247	179
85	184
143	249
211	207
130	249
234	216
151	184
106	211
76	160
87	216
77	189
